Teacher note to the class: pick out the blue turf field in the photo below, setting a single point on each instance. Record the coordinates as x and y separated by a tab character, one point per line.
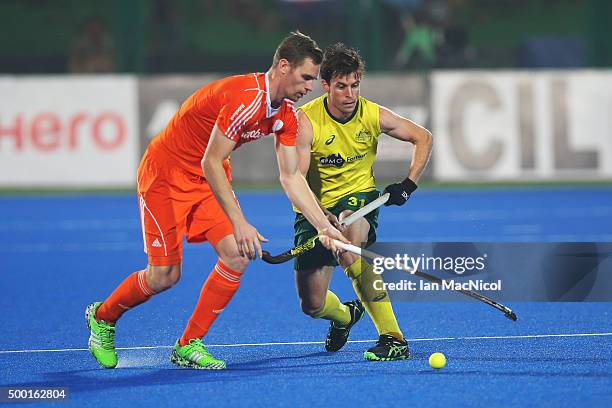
58	253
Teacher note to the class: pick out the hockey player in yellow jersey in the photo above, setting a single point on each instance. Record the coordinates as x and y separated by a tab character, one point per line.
337	140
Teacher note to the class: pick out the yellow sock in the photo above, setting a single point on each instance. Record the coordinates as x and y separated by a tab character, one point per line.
376	302
334	310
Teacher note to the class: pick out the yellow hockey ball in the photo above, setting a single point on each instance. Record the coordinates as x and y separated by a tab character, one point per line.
437	360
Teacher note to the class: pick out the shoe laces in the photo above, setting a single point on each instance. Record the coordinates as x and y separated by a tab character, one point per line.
336	327
107	335
385	340
197	345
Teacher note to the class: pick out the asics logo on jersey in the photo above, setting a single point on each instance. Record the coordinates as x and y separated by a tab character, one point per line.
330	140
332	160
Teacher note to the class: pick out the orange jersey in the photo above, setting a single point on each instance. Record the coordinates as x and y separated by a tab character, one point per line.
239	106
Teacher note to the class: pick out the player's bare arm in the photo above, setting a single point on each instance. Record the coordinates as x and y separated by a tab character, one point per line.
304	144
219	148
406	130
301	196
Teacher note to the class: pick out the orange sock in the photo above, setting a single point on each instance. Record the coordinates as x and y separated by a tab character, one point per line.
133	291
216	293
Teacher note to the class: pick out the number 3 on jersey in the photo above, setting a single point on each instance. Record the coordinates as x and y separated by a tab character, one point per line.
354	202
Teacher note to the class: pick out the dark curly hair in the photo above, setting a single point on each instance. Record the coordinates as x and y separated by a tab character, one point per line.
340	60
296	47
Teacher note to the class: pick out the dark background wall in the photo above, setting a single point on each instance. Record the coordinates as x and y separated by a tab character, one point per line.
161	36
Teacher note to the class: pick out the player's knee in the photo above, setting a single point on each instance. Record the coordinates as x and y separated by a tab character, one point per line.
163	277
229	255
311	311
312	307
235	261
345	214
347	259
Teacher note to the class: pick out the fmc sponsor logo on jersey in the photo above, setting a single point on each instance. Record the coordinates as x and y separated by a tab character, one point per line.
332	160
338	161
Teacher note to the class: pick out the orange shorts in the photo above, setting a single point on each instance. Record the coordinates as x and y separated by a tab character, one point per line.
175	204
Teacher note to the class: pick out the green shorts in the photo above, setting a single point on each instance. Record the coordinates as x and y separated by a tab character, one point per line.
319	256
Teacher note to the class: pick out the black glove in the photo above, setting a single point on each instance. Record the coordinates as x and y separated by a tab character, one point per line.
399	193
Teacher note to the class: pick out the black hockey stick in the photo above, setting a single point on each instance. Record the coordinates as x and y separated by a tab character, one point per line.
308	245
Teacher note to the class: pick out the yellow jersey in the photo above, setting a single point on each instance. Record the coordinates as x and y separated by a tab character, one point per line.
342	153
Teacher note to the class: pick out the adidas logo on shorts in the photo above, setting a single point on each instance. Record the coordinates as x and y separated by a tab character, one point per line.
156	243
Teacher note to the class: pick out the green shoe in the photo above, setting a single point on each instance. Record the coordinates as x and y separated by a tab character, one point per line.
101	339
194	355
388	348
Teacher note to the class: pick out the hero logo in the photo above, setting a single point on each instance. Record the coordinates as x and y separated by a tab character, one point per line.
48	131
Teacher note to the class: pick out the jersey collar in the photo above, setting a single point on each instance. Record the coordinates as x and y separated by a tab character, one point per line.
270	111
336	119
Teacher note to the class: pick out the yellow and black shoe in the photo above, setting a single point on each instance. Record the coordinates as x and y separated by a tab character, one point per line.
388	348
337	336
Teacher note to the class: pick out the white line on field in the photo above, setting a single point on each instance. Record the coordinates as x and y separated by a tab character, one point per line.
301	343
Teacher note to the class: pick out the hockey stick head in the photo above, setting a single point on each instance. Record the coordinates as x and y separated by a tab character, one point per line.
308	245
288	255
510	315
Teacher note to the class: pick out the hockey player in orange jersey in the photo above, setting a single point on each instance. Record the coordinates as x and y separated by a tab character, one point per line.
184	190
